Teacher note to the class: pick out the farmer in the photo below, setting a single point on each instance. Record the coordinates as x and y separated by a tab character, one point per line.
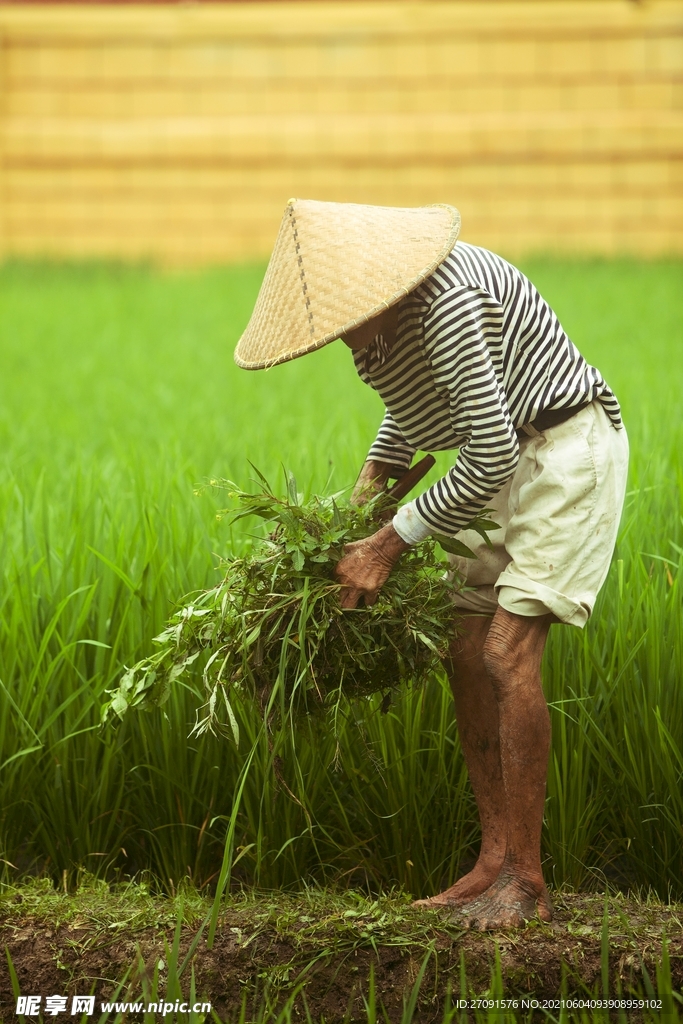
465	355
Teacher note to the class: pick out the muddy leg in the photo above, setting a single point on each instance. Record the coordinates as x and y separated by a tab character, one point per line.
512	654
476	709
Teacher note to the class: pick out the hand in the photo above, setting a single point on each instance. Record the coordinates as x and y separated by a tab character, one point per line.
366	565
373	478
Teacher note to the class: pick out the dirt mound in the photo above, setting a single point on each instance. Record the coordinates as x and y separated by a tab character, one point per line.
326	945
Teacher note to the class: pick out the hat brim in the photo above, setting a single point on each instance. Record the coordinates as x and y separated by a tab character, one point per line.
334	267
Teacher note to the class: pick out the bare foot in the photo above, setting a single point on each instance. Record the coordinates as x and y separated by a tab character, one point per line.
467	888
508	903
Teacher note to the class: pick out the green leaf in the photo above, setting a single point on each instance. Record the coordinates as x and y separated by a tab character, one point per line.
337	520
233	721
261	477
485	524
425	640
453	546
298	559
119	704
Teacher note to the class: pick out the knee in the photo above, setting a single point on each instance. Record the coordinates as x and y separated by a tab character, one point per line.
502	657
513	651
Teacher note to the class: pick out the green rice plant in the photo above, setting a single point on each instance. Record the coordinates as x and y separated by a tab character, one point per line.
618	720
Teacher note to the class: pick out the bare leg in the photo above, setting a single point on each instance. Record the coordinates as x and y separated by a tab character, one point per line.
476	709
512	655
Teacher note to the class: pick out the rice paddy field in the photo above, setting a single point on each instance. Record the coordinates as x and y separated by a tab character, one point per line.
120	400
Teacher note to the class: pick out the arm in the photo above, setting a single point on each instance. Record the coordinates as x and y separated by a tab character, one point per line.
366	564
456	346
373	478
389	458
391	447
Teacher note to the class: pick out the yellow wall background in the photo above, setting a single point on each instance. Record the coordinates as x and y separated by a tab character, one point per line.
179	132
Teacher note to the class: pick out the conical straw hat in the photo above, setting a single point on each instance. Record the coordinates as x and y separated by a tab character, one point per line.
335	266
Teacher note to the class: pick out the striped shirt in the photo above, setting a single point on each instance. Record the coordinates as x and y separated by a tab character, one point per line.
478	352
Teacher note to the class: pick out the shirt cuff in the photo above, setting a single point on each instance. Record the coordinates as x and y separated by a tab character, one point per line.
392	454
409	526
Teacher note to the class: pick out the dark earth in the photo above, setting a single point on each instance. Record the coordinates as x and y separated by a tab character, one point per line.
327	944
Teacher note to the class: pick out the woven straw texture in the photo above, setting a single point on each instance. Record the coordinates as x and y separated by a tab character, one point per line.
335	266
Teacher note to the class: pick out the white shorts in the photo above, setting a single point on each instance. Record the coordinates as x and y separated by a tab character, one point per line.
559	515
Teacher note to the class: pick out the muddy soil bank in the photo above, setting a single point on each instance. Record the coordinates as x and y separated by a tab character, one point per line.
327	944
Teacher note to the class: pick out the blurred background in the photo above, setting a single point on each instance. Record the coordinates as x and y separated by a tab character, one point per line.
177	131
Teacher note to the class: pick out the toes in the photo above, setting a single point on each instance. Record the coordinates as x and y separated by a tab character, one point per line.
491	919
447	901
487	924
545	910
544	906
484	924
437	902
471	917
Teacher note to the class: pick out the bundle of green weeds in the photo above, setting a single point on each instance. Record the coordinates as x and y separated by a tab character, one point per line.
273	629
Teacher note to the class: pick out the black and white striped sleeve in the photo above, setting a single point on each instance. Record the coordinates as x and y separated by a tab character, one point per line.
391	446
455	344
